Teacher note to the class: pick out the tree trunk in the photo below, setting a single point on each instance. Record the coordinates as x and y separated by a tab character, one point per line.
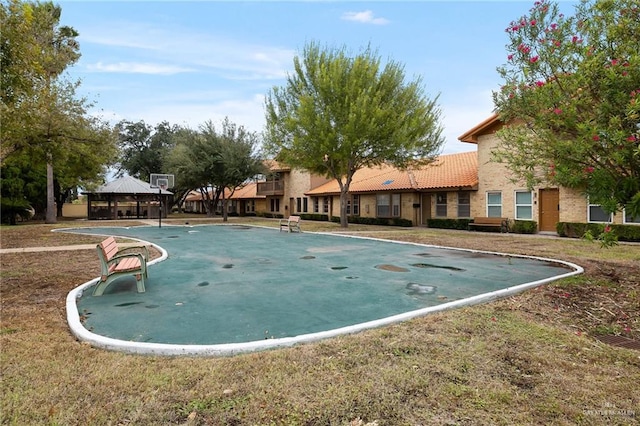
224	207
344	195
51	205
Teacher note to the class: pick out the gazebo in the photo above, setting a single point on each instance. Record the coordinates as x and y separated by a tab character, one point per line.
128	198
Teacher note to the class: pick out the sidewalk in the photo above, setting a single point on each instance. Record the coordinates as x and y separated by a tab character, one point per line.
60	248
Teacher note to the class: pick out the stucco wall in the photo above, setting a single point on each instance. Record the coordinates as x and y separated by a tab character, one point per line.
74	210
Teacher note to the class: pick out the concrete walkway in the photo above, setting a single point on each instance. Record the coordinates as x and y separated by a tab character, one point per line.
61	248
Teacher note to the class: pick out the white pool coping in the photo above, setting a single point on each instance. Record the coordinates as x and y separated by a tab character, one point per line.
229	349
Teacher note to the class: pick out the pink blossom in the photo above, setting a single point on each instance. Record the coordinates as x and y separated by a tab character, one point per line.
557	111
607	228
596	138
557	43
631	138
510	57
533	22
524	48
539	83
534	59
574	39
589	169
554	26
614	62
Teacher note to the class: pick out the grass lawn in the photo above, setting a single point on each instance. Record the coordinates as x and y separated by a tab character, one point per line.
536	358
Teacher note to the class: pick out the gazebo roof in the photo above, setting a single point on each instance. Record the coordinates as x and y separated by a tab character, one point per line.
129	185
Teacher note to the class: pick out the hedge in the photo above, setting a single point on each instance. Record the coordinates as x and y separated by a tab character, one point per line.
524	227
462	224
314	216
375	221
577	230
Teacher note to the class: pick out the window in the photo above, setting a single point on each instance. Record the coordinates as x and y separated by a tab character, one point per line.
356	205
441	204
524	205
383	203
494	204
630	219
325	205
275	204
596	214
388	205
316	205
464	204
298	204
305	204
395	205
250	206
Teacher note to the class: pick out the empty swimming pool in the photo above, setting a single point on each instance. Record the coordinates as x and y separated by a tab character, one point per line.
225	289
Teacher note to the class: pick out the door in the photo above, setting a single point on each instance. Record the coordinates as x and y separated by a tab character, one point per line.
549	209
425	207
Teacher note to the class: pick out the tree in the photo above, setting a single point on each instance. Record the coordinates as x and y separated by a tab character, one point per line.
41	115
212	161
144	149
337	114
571	97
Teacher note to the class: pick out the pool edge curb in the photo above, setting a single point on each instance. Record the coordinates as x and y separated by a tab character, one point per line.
230	349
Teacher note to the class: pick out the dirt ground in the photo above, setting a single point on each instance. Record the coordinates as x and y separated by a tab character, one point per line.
533	358
605	303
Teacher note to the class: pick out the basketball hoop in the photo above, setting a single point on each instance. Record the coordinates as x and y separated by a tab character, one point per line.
162	182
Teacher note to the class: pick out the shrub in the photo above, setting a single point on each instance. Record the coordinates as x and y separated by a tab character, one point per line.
379	221
272	215
462	224
314	216
12	209
524	227
578	230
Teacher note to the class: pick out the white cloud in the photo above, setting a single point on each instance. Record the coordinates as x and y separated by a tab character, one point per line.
231	58
137	68
365	17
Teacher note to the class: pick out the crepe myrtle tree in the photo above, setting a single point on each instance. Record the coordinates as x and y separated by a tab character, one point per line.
338	113
571	101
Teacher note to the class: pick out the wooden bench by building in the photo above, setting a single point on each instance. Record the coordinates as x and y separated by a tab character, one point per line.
501	223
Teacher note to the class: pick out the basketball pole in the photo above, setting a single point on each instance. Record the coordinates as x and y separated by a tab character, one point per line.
160	207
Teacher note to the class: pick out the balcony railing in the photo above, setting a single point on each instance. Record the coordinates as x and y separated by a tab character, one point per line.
274	187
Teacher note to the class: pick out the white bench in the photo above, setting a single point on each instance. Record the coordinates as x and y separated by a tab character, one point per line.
291	225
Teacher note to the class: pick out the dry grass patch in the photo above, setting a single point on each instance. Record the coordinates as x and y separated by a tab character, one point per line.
528	359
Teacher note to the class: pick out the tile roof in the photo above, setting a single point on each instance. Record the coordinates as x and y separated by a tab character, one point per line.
127	185
250	190
246	192
276	166
490	125
447	171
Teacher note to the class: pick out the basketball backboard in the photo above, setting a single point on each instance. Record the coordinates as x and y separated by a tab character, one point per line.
162	181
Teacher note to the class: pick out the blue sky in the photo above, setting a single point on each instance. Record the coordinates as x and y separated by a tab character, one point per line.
189	62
